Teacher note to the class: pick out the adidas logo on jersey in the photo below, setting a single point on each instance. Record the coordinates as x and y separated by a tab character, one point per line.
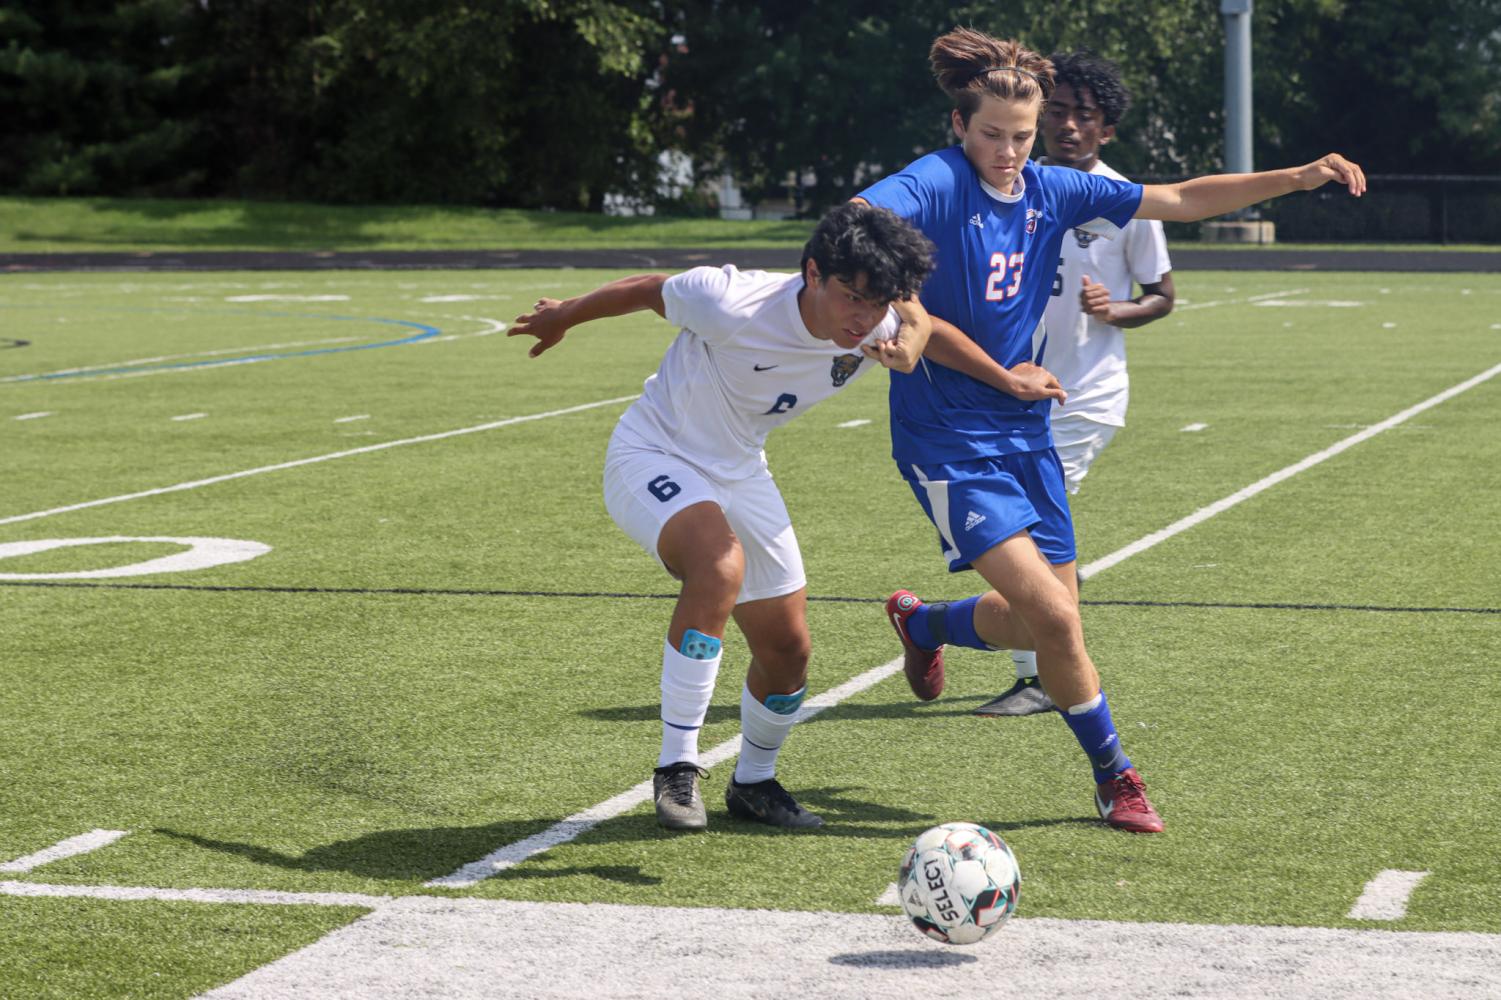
972	520
976	221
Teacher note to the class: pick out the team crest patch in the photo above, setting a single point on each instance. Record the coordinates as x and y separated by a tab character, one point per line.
844	366
1084	239
1033	214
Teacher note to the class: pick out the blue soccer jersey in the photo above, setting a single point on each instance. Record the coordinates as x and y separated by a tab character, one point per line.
997	259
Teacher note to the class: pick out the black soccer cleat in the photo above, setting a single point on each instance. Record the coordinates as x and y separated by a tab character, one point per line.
1026	697
768	802
675	790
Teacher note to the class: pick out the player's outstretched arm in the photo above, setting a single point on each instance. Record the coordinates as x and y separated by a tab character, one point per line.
950	347
551	318
904	352
1205	197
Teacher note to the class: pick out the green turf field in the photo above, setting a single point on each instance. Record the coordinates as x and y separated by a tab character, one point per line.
448	646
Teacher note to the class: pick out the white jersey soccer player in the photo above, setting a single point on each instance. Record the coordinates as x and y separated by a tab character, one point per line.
743	363
686	474
1087	355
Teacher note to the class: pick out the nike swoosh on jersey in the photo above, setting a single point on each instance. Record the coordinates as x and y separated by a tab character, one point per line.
765	368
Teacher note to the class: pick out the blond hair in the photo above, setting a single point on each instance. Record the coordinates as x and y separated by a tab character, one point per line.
970	65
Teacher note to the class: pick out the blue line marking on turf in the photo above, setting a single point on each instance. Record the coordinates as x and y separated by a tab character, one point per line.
426	332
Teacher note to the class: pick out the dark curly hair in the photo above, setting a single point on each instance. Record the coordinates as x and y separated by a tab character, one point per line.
857	238
1083	70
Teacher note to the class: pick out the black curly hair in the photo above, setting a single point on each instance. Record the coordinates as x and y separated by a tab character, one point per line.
857	238
1083	69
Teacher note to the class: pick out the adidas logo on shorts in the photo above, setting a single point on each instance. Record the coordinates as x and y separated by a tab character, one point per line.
972	520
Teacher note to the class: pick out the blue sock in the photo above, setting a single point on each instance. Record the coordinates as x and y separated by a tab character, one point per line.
934	625
1095	731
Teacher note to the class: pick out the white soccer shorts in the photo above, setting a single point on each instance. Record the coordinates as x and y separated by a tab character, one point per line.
644	488
1079	441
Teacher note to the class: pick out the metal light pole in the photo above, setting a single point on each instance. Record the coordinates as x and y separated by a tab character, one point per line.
1244	225
1237	14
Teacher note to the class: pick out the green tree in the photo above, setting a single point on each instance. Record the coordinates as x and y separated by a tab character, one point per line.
1403	86
97	98
526	102
783	89
841	93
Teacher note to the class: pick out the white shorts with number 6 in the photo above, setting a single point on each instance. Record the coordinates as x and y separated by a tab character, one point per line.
644	488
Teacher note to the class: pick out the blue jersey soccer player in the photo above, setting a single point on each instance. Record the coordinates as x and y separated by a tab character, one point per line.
686	475
1091	306
980	459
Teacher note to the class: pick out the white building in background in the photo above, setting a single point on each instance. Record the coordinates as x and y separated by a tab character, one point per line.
675	177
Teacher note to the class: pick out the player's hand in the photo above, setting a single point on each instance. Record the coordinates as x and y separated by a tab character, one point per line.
1094	299
545	322
1036	382
898	354
903	353
1331	168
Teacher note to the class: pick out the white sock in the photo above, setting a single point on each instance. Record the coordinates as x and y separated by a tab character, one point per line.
687	689
1026	663
762	732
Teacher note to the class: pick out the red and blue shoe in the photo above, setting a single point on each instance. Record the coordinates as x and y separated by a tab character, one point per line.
924	667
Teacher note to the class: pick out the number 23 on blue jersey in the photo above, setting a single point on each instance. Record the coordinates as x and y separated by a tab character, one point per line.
1001	268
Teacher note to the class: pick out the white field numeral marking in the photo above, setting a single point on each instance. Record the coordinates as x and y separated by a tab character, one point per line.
1385	896
81	844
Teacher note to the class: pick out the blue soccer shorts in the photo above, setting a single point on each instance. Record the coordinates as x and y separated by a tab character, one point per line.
977	504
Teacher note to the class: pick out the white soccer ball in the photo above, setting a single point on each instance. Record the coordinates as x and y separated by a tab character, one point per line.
959	883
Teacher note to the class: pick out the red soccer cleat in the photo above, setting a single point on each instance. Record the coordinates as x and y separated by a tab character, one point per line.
924	667
1122	802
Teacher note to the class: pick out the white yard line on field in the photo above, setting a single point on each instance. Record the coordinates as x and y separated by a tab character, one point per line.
1261	485
423	439
159	359
81	844
565	830
412	946
263	897
1385	896
469	949
1239	302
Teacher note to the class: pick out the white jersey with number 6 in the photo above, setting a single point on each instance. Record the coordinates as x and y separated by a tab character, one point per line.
743	363
1087	356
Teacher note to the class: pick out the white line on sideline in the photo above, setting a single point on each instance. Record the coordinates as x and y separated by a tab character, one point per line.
81	844
423	439
1220	506
1385	896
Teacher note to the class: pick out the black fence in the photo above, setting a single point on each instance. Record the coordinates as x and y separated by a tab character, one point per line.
1396	208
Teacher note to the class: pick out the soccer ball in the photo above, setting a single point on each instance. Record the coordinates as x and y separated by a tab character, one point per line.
959	883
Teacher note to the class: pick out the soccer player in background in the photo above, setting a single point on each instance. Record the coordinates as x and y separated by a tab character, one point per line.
979	458
686	475
1091	305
